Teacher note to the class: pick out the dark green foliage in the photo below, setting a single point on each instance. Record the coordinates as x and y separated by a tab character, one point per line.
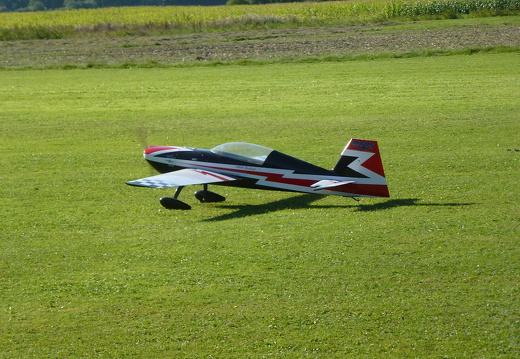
255	2
39	5
80	4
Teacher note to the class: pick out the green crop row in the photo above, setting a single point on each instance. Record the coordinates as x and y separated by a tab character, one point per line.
146	20
410	9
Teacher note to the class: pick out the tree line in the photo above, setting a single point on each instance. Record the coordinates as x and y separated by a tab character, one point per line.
42	5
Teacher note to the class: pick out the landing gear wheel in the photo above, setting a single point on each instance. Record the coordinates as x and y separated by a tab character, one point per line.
173	203
205	196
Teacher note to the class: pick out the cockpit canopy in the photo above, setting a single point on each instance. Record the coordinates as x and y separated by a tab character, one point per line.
243	151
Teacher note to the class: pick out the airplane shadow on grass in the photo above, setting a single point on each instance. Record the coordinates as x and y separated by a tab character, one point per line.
306	200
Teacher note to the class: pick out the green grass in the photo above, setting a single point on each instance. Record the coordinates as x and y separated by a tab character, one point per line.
91	267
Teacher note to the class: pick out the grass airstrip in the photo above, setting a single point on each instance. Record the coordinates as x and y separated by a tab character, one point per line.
93	268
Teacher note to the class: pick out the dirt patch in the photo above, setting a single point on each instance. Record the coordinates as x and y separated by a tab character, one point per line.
293	43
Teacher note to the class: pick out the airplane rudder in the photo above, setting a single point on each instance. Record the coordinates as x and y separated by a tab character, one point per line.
356	147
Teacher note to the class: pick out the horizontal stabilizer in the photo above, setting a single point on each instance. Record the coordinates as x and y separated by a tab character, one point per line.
324	184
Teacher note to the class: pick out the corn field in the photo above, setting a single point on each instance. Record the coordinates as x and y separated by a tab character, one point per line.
122	21
411	9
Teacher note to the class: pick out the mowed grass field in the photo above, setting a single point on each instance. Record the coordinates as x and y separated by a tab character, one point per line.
90	267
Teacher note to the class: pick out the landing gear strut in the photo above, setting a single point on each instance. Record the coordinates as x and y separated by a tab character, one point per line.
205	196
174	203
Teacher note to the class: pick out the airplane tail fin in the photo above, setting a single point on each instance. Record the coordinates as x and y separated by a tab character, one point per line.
361	161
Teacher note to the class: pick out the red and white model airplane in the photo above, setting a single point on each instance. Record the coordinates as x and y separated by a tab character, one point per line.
358	173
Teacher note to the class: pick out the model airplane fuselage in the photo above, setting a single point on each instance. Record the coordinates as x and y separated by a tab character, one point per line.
358	173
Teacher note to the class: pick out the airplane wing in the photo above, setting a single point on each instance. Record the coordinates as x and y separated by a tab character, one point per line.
180	178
